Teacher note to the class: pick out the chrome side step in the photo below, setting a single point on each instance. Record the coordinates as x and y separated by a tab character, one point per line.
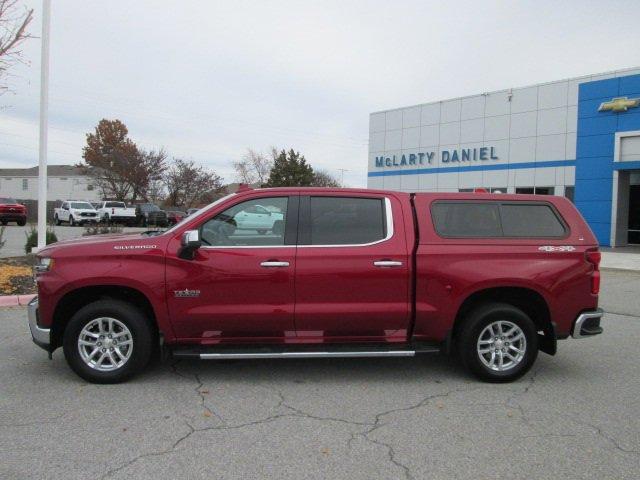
356	354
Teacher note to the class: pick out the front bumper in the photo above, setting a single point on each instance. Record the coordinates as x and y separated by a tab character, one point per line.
41	336
588	324
13	217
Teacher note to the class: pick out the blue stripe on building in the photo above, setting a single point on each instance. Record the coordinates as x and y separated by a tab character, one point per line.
476	168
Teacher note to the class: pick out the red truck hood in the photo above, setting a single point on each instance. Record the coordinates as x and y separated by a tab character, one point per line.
100	242
12	207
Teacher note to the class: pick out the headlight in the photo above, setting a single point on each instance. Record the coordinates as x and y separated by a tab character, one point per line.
44	264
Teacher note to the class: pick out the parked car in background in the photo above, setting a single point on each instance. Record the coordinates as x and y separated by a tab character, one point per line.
191	211
259	218
75	212
149	214
12	211
353	273
175	216
117	212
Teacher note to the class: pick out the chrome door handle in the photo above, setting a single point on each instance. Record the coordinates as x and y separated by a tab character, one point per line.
274	264
387	263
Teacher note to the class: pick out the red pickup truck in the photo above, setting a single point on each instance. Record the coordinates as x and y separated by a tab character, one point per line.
344	273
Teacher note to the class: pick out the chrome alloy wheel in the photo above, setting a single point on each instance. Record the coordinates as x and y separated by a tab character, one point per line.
105	344
501	345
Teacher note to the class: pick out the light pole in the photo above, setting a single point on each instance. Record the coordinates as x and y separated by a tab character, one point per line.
342	170
44	113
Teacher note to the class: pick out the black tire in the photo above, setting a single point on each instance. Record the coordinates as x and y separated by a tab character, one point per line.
72	222
278	227
473	327
22	223
141	332
56	220
4	222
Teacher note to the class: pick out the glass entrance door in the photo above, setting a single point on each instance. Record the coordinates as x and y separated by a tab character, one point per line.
634	214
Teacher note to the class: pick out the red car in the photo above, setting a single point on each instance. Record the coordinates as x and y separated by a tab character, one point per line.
351	273
12	211
175	216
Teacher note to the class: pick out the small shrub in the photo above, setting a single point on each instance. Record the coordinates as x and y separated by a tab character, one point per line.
32	237
101	228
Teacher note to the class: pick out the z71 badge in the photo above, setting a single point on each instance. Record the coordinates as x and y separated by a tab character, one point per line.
186	293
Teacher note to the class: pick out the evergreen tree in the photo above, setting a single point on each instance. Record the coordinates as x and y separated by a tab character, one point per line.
290	169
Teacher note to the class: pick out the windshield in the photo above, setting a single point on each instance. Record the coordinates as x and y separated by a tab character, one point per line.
7	201
200	212
82	205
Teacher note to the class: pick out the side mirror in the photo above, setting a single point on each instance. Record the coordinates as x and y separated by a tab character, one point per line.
189	244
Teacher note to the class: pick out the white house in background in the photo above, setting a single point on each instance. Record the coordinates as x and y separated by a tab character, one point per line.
63	182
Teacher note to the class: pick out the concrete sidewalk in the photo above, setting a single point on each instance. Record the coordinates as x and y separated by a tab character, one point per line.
621	258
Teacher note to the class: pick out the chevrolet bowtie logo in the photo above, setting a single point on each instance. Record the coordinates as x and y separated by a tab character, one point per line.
619	104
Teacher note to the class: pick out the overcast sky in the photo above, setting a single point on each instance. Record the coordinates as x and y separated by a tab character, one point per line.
207	79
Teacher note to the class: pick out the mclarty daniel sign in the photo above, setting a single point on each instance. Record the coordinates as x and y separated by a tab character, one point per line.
446	156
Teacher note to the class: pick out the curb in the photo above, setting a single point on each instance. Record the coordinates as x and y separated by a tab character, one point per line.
15	300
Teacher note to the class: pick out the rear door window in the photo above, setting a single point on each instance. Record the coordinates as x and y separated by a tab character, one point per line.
346	220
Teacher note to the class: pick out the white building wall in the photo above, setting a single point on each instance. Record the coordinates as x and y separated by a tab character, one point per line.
535	124
59	188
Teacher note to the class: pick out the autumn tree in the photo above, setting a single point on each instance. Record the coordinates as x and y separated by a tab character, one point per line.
322	178
290	169
254	167
118	167
188	184
13	32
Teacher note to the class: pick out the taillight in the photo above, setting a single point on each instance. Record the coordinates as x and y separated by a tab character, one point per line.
593	257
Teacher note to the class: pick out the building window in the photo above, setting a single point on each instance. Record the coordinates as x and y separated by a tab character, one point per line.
25	184
465	190
63	179
8	178
89	187
535	190
499	190
569	192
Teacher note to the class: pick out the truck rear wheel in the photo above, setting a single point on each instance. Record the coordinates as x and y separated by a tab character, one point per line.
498	342
108	341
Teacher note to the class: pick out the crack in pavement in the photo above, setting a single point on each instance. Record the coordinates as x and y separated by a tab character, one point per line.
35	423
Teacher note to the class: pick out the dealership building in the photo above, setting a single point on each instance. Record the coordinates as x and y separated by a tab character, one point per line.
578	137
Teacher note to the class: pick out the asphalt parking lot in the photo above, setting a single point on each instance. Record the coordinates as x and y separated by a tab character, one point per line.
15	238
575	415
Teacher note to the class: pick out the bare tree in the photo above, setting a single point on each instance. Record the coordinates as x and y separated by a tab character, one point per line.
322	178
13	32
188	185
254	167
148	168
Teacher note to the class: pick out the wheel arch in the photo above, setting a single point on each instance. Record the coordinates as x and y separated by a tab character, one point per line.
72	301
526	299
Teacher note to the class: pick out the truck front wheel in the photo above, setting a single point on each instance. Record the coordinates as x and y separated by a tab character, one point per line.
108	341
498	342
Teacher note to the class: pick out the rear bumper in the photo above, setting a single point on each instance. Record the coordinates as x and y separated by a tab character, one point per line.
588	324
122	219
41	336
